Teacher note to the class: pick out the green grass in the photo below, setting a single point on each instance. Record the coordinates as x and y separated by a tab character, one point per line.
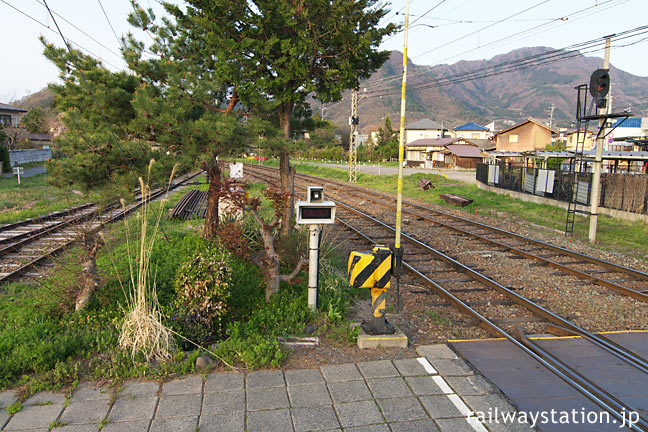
34	197
613	234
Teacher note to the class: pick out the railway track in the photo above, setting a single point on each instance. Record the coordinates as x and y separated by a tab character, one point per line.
474	293
29	242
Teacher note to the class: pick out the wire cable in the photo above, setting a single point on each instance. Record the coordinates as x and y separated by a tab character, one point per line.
119	41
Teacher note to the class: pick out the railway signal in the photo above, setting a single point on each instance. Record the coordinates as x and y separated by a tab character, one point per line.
314	212
600	86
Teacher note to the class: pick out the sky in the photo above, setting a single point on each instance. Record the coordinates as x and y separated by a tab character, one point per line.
442	31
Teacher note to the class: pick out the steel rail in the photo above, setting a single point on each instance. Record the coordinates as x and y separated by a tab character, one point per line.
38	219
513	248
601	341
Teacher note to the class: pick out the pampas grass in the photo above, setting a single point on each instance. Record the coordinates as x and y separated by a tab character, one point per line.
142	331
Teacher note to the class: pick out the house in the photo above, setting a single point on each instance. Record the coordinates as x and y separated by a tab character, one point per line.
572	136
424	129
40	140
443	153
628	135
472	131
524	136
10	116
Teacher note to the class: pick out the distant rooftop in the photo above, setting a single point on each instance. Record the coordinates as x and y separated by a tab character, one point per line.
634	122
425	124
470	126
5	107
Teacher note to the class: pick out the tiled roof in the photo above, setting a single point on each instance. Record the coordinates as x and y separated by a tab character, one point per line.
471	127
483	144
40	137
432	142
634	122
5	107
463	150
424	124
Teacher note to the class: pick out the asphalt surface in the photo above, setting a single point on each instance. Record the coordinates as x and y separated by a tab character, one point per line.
27	172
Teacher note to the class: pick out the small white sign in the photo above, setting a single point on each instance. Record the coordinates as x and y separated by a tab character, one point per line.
18	171
236	170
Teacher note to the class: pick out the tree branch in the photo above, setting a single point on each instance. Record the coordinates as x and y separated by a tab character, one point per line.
300	265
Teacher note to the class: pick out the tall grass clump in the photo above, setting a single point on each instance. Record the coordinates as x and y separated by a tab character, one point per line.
143	332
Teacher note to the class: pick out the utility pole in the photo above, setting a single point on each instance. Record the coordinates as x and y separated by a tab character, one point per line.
353	138
551	112
598	161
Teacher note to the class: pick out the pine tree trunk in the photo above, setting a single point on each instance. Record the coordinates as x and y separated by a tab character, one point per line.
285	113
89	279
211	218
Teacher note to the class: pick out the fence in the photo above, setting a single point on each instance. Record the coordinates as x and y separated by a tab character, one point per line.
19	157
625	192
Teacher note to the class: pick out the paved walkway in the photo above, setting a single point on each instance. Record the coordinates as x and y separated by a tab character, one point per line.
27	172
435	392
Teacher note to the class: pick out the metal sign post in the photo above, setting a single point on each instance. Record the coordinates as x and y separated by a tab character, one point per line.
18	171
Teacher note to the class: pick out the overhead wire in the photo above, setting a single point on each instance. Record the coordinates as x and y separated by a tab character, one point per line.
119	41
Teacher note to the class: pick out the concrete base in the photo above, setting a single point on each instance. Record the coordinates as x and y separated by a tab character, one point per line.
395	340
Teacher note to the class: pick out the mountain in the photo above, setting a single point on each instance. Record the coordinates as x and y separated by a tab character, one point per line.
507	98
43	98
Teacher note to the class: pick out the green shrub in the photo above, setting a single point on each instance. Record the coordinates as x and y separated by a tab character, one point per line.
202	287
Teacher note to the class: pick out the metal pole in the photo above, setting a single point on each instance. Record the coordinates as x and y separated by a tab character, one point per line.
598	161
353	138
313	264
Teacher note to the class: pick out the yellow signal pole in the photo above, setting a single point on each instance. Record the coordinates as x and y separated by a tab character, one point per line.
398	252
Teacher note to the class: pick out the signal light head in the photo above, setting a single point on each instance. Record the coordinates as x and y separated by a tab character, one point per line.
600	86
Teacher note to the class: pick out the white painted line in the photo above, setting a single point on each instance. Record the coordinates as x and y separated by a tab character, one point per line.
461	406
445	388
427	366
476	424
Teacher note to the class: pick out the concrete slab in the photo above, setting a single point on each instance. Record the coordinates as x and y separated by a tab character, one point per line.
401	409
77	428
314	418
34	416
423	386
188	385
185	405
436	351
127	426
232	422
396	340
383	388
378	369
45	398
454	425
349	391
369	428
410	367
90	392
139	389
440	407
358	413
309	395
267	398
342	372
126	409
265	379
222	403
89	411
222	382
177	424
7	398
269	421
415	426
303	376
474	385
451	367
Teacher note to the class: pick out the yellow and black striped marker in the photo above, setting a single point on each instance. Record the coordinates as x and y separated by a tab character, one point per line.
373	270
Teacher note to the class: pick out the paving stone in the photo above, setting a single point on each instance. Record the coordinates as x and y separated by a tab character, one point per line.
415	426
303	376
94	427
309	395
349	391
473	385
90	391
423	386
486	402
440	407
139	389
269	421
126	426
7	398
436	351
188	385
358	413
401	409
314	418
233	422
45	398
370	428
179	406
4	417
383	388
378	369
89	411
267	398
125	409
509	427
454	425
222	403
410	367
222	382
176	424
451	367
343	372
34	416
265	379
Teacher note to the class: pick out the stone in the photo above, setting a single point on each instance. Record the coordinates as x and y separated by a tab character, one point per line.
269	421
205	362
343	372
410	367
303	376
314	418
473	385
358	413
224	382
88	427
125	409
349	391
89	411
440	407
7	398
232	422
265	379
383	388
455	425
222	403
188	385
90	392
45	398
139	389
382	427
179	406
489	401
401	409
423	386
267	398
177	424
436	351
126	426
34	416
309	395
451	367
378	369
415	426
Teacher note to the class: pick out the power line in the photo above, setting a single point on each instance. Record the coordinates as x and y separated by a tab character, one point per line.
119	41
54	31
412	23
